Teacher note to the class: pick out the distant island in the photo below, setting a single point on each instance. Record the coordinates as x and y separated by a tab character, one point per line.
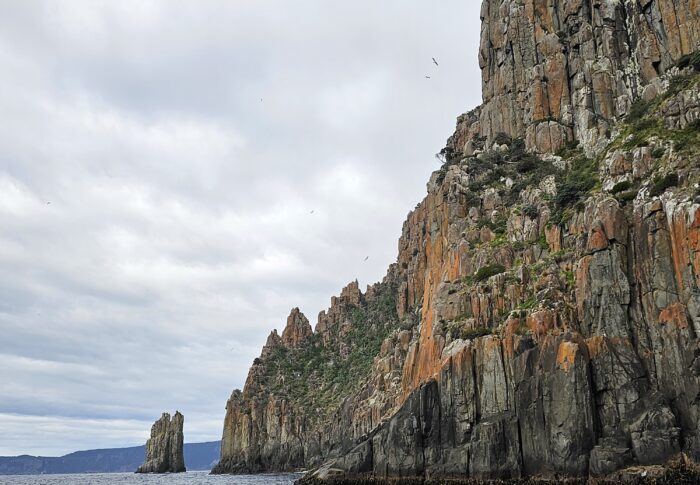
198	456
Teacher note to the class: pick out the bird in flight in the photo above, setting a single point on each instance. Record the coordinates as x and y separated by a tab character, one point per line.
427	77
48	202
366	258
311	212
435	62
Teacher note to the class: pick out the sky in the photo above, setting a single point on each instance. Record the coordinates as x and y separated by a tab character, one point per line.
175	176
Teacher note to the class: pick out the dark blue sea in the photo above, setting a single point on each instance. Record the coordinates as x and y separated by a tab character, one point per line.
188	478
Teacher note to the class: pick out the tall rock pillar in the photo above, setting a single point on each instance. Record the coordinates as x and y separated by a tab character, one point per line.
164	447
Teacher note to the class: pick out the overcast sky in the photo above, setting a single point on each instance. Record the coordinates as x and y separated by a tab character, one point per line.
176	176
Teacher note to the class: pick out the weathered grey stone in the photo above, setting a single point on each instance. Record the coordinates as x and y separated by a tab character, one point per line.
535	337
164	447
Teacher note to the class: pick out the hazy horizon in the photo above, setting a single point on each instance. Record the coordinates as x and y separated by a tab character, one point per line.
176	176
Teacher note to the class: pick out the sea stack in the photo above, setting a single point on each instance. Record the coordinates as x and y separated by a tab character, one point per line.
164	447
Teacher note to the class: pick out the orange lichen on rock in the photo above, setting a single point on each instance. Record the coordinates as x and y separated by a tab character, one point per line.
566	355
553	237
540	322
675	314
694	243
454	270
442	265
678	231
596	345
582	282
597	240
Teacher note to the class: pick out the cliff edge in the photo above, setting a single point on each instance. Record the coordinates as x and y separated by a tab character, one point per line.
543	315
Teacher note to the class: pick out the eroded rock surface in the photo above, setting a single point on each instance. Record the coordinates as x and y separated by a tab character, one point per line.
542	318
554	71
164	447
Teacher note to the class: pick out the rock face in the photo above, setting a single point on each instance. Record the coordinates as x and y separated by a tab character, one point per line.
543	315
309	392
554	71
164	447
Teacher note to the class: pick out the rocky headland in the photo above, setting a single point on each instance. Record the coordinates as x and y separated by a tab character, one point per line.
164	449
542	319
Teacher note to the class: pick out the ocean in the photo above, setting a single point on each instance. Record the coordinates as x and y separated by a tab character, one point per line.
188	478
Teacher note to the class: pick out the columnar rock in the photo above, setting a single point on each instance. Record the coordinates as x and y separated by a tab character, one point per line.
555	71
543	315
164	447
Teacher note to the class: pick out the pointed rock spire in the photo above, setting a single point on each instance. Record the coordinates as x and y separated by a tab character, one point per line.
297	331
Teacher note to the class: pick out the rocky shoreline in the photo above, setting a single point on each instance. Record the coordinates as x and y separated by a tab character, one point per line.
678	472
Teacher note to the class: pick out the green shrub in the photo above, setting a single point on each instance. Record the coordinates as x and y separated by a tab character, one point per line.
621	186
488	271
569	150
498	225
472	333
472	200
662	183
687	139
678	84
531	211
526	165
626	196
575	183
528	304
447	154
690	60
637	110
502	139
569	276
658	152
570	191
645	124
517	148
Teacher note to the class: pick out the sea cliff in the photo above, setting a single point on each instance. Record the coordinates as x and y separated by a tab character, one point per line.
543	314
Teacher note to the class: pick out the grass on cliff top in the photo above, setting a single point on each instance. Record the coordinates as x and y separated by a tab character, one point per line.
318	376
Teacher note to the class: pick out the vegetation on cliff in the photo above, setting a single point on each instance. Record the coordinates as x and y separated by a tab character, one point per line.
321	373
546	290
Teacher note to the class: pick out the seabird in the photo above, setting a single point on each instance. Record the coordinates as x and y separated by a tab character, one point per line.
366	258
435	62
427	77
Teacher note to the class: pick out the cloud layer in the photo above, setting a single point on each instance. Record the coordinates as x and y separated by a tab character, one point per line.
176	175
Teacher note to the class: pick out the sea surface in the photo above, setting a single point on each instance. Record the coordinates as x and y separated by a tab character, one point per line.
187	478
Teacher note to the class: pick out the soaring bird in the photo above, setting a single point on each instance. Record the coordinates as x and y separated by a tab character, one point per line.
311	212
366	258
427	77
435	62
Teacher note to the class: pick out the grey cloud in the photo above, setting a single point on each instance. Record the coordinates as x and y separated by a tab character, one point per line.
156	215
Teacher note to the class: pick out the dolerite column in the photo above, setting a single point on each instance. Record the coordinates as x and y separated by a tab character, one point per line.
164	448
